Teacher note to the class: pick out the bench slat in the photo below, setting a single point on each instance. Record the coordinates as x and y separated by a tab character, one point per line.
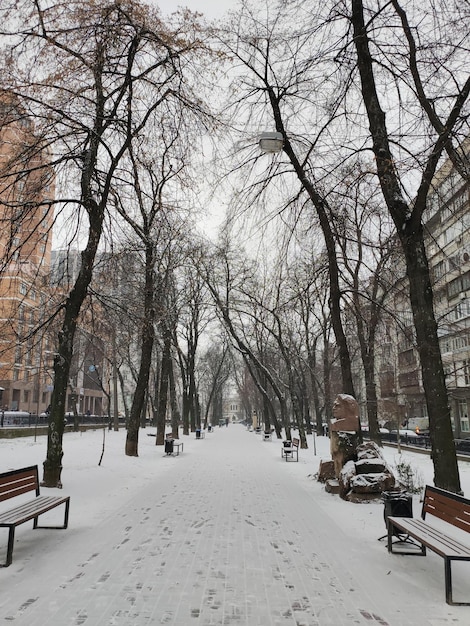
432	538
447	509
29	510
15	483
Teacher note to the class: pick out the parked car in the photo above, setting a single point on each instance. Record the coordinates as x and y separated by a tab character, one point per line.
406	432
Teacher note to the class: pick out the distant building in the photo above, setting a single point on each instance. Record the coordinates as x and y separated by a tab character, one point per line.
34	279
26	215
233	410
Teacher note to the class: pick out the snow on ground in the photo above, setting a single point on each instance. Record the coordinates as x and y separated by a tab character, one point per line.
98	493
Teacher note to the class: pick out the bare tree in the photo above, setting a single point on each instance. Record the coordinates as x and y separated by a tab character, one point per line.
276	62
93	76
452	89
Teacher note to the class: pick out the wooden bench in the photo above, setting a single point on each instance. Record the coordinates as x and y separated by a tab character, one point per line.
16	483
288	451
451	509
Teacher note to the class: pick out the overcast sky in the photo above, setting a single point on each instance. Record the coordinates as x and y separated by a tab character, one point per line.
211	8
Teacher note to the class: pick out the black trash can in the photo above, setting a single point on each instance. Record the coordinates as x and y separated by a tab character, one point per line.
209	428
198	433
169	446
397	504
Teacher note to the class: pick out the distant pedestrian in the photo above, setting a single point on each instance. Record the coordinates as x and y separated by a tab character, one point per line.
226	422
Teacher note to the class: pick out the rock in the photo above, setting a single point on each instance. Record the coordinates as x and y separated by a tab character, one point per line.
332	485
345	478
372	483
371	466
343	448
362	498
369	450
326	471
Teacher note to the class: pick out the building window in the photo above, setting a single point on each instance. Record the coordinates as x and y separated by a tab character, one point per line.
23	289
461	342
463	415
439	270
466	372
462	310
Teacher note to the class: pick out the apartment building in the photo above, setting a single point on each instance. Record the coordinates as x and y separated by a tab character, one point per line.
26	218
447	222
448	229
29	289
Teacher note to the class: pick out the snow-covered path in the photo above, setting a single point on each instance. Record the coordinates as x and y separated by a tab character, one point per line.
226	533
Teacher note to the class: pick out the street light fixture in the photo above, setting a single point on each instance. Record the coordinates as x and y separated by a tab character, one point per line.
271	142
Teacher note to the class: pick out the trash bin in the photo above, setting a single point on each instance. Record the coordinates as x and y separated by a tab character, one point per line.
209	428
397	504
169	446
198	433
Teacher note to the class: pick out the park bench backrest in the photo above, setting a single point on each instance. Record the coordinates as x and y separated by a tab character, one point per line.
447	506
20	481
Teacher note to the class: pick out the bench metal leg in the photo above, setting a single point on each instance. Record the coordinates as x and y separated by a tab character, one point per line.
66	519
448	583
11	542
448	579
402	538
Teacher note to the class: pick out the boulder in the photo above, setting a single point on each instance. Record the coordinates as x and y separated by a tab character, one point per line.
345	478
362	498
326	471
371	466
332	486
372	483
369	450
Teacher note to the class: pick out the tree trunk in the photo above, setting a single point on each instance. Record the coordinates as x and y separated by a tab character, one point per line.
163	391
446	472
53	463
175	414
148	336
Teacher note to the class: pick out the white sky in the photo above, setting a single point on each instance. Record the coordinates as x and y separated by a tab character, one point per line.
211	8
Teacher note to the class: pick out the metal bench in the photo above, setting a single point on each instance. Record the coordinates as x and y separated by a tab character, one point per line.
289	448
172	446
176	447
448	507
15	483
